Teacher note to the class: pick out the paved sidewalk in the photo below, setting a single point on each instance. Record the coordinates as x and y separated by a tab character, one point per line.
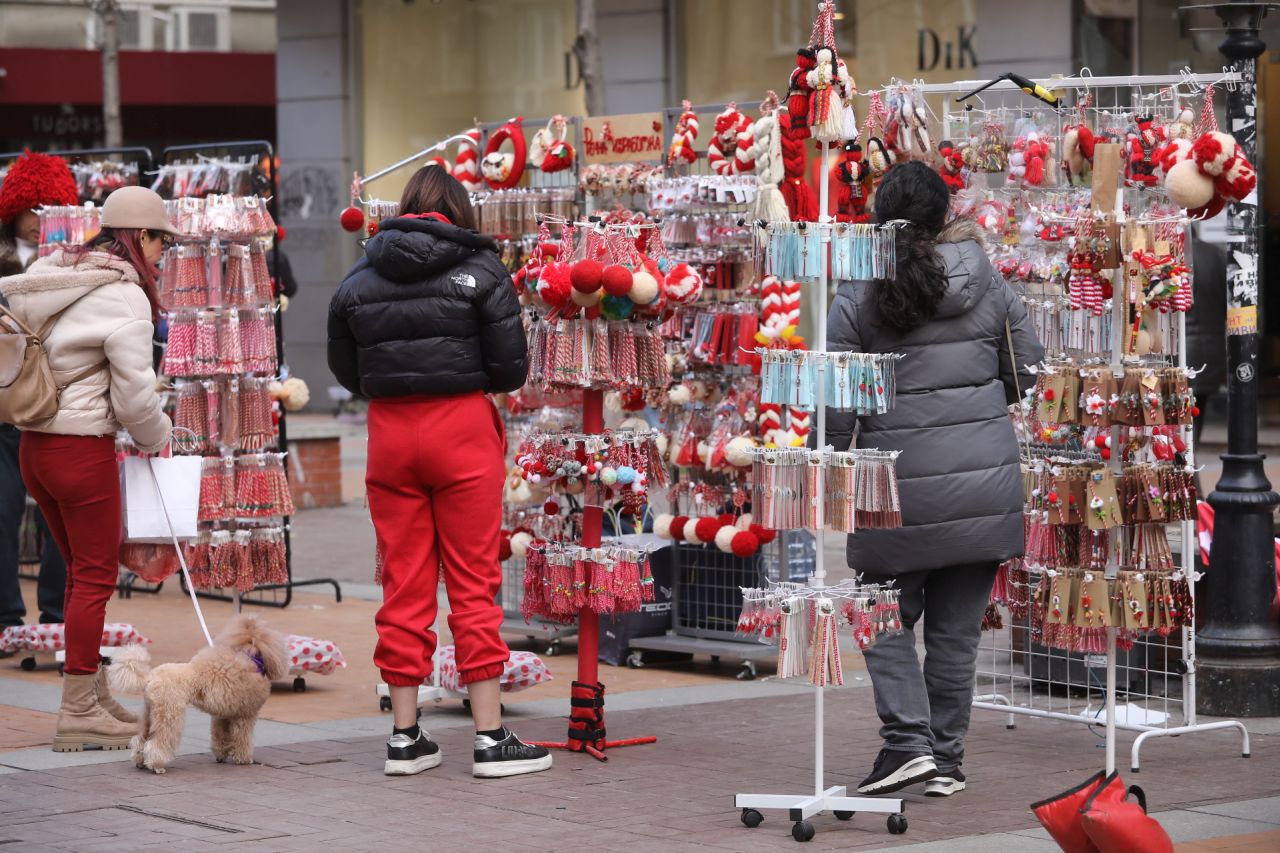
327	790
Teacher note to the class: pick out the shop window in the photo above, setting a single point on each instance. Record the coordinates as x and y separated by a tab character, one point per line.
133	25
203	29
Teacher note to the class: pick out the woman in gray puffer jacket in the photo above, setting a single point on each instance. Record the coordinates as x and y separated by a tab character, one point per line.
951	316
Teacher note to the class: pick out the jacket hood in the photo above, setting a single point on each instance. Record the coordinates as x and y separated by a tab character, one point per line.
960	245
408	250
52	283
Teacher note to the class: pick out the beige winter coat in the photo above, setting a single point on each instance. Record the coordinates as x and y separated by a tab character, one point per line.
108	323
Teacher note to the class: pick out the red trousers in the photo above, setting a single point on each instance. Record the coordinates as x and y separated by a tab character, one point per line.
434	478
75	479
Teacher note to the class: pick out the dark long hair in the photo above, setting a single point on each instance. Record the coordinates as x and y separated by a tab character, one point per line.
915	193
126	244
433	190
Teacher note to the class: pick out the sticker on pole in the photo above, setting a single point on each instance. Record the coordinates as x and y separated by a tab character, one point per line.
1242	320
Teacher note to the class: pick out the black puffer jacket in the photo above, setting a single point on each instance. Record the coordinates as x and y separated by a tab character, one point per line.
429	310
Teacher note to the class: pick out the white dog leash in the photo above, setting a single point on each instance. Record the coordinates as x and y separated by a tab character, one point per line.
182	559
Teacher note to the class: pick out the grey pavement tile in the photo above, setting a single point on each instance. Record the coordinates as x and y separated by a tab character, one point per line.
1004	842
1266	810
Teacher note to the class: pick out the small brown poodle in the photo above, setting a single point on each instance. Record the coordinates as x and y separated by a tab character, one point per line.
230	681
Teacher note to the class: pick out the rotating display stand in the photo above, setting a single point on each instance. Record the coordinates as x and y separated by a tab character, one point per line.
835	799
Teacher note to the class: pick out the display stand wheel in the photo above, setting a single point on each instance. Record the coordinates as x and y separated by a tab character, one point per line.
384	703
553	650
299	684
28	664
897	824
747	672
635	660
843	815
802	831
751	818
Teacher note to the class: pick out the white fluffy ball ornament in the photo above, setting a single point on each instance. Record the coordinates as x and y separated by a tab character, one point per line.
738	451
644	287
661	442
638	424
690	535
724	538
586	300
613	402
1188	186
680	395
520	542
744	521
662	525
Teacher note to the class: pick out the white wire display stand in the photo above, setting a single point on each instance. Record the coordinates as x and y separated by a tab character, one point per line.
835	799
1015	693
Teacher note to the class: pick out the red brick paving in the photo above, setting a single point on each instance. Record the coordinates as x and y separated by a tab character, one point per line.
675	795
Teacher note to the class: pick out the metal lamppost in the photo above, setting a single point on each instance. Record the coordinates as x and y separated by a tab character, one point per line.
1239	646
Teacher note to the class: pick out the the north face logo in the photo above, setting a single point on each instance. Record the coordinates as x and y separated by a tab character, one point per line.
464	279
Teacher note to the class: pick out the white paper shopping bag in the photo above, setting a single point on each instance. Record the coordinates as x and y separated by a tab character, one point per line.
144	514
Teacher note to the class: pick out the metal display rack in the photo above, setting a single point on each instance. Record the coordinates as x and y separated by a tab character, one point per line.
707	600
278	594
1018	677
511	599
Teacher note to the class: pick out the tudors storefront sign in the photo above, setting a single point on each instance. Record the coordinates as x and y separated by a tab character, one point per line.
622	138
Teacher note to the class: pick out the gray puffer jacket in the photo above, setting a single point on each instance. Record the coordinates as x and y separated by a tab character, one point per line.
958	473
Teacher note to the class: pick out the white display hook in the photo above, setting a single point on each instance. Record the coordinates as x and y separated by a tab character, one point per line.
439	146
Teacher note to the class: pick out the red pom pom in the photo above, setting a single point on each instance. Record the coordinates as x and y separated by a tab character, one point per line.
677	527
553	284
706	529
1100	441
1195	411
764	534
351	219
551	507
726	519
1053	497
1105	453
616	280
504	548
1049	395
745	544
585	276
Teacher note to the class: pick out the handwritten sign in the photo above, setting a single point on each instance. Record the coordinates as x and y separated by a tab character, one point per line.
622	138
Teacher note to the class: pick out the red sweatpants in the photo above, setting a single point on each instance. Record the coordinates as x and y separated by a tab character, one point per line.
75	479
434	478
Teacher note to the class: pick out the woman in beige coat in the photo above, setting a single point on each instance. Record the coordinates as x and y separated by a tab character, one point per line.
95	308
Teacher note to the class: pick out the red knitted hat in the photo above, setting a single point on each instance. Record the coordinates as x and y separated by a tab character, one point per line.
34	180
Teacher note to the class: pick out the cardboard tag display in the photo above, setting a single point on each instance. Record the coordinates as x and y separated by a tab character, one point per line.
1104	502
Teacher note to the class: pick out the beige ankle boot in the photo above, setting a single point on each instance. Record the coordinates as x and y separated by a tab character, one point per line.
83	723
108	703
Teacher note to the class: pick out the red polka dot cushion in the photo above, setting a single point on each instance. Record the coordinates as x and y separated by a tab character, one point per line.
312	656
523	670
52	638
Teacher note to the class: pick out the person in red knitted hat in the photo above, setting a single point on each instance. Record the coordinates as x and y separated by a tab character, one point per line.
33	180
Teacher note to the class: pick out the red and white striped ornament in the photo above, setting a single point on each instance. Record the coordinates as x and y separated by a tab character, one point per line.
466	166
685	133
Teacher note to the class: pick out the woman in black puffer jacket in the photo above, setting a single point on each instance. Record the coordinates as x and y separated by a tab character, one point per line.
426	325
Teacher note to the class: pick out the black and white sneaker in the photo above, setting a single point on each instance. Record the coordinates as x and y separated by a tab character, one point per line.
507	757
895	770
945	784
406	756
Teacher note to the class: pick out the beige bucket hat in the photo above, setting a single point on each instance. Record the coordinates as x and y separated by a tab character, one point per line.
136	207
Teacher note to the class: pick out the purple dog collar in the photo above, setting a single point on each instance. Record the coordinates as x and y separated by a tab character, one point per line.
256	657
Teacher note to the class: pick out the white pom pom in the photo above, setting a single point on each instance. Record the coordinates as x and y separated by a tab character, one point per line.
661	442
744	521
1188	187
613	402
633	422
704	451
644	288
724	538
586	300
738	451
680	395
520	542
690	535
662	525
698	389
